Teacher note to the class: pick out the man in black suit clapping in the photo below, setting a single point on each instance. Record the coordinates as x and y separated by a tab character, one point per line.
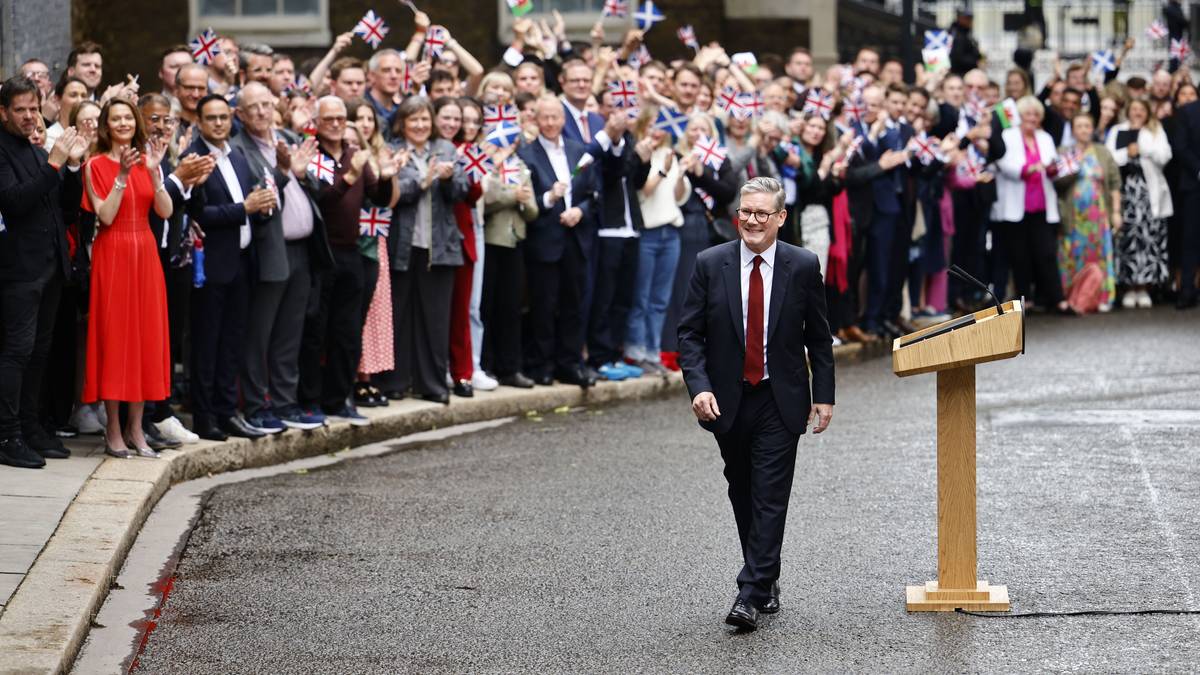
763	301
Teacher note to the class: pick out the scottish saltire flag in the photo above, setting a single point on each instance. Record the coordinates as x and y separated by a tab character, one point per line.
647	15
205	47
374	222
671	121
504	135
1104	61
371	29
938	39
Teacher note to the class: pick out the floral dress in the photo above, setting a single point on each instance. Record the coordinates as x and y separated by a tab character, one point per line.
1089	237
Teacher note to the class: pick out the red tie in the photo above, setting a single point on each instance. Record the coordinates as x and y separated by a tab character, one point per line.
583	128
752	369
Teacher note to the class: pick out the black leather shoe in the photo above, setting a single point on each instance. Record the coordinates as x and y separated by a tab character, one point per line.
772	604
235	426
394	395
463	389
517	380
157	441
443	398
743	615
1183	303
544	379
209	431
14	452
45	445
575	376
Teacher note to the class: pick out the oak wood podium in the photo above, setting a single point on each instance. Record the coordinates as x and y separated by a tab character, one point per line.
952	349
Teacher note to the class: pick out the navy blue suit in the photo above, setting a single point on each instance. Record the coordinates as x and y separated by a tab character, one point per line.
219	307
1185	144
571	130
556	264
886	219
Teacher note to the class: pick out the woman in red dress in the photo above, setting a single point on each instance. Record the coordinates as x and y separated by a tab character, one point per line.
128	347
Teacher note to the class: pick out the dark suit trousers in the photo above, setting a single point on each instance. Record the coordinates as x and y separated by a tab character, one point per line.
503	285
27	313
1189	244
616	263
879	255
1030	245
343	337
555	312
421	325
270	373
218	342
760	459
312	343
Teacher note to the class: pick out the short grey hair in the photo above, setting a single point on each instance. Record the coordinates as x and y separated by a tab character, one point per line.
766	185
377	58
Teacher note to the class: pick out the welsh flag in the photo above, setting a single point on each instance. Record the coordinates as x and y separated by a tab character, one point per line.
520	7
1006	112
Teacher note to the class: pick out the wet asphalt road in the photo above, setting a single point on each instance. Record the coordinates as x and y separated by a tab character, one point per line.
602	541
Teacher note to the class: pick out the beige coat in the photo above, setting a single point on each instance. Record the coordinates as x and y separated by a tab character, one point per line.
504	218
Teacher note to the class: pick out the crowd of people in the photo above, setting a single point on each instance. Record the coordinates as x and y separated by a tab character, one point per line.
269	244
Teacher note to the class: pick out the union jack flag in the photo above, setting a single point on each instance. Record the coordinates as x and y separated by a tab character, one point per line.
973	164
435	41
974	106
474	162
709	202
617	8
1157	30
846	72
205	47
855	146
323	168
1067	164
1180	50
624	93
499	114
269	183
371	29
687	35
854	108
710	151
817	101
509	172
374	222
727	99
407	83
751	102
639	58
925	147
301	84
938	39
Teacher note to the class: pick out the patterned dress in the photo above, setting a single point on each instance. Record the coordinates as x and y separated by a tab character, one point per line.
1089	238
1142	241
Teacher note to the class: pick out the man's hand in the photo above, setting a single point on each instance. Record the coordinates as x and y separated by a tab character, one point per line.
420	72
704	406
823	414
342	42
571	216
644	148
301	156
194	169
557	192
891	159
259	201
615	127
523	193
62	147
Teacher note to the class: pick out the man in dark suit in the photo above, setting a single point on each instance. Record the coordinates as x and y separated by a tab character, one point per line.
753	307
1185	144
39	195
290	243
232	207
557	249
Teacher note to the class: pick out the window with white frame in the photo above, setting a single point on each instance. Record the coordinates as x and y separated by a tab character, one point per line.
578	16
282	23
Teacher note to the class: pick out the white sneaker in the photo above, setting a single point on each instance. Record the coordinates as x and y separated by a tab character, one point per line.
483	382
173	430
86	420
1104	308
837	342
1144	301
1129	300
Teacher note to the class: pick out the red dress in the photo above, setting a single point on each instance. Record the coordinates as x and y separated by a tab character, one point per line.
128	345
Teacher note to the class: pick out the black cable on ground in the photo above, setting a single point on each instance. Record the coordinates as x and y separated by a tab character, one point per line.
1083	612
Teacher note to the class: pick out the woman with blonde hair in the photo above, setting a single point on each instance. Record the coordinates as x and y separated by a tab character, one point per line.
497	88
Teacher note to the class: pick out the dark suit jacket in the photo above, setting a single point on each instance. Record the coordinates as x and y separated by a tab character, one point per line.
270	248
712	341
887	189
1185	146
221	218
173	225
613	170
595	125
36	202
546	238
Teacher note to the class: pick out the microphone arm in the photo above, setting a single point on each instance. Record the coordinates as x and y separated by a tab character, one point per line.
962	275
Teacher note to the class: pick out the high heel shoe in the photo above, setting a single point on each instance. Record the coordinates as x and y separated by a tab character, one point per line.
119	454
141	451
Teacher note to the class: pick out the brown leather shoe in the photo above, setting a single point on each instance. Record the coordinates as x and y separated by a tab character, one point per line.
856	334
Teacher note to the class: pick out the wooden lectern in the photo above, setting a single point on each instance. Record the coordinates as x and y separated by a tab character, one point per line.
952	349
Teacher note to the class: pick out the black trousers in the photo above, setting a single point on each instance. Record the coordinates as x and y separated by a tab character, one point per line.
1029	245
421	326
616	262
343	291
218	343
60	383
1189	244
555	340
760	459
179	310
503	289
276	326
27	311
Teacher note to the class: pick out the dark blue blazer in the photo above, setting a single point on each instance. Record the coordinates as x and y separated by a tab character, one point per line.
712	340
546	238
221	217
571	130
1185	146
887	188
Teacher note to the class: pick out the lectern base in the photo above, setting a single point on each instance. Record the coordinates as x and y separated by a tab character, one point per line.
983	598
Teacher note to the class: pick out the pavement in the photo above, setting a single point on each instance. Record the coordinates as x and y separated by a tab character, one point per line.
67	528
601	540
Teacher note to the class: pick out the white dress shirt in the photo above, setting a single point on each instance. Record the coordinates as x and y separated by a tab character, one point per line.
767	271
235	187
557	152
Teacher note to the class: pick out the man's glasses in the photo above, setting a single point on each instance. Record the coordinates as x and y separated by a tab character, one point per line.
757	216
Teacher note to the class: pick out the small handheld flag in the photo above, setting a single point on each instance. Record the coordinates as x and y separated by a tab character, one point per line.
1067	164
1157	30
504	135
323	168
584	162
371	28
750	104
205	47
374	222
671	121
474	162
687	35
639	58
509	172
624	93
1180	50
615	8
647	15
1104	61
727	99
938	39
710	151
435	41
1006	112
520	7
499	114
817	101
854	108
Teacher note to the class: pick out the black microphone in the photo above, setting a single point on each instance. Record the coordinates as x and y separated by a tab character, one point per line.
962	275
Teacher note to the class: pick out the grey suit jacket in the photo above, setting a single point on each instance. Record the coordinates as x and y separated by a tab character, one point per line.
446	248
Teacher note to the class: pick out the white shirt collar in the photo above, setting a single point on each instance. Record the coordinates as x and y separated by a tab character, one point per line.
575	112
219	153
768	255
549	145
